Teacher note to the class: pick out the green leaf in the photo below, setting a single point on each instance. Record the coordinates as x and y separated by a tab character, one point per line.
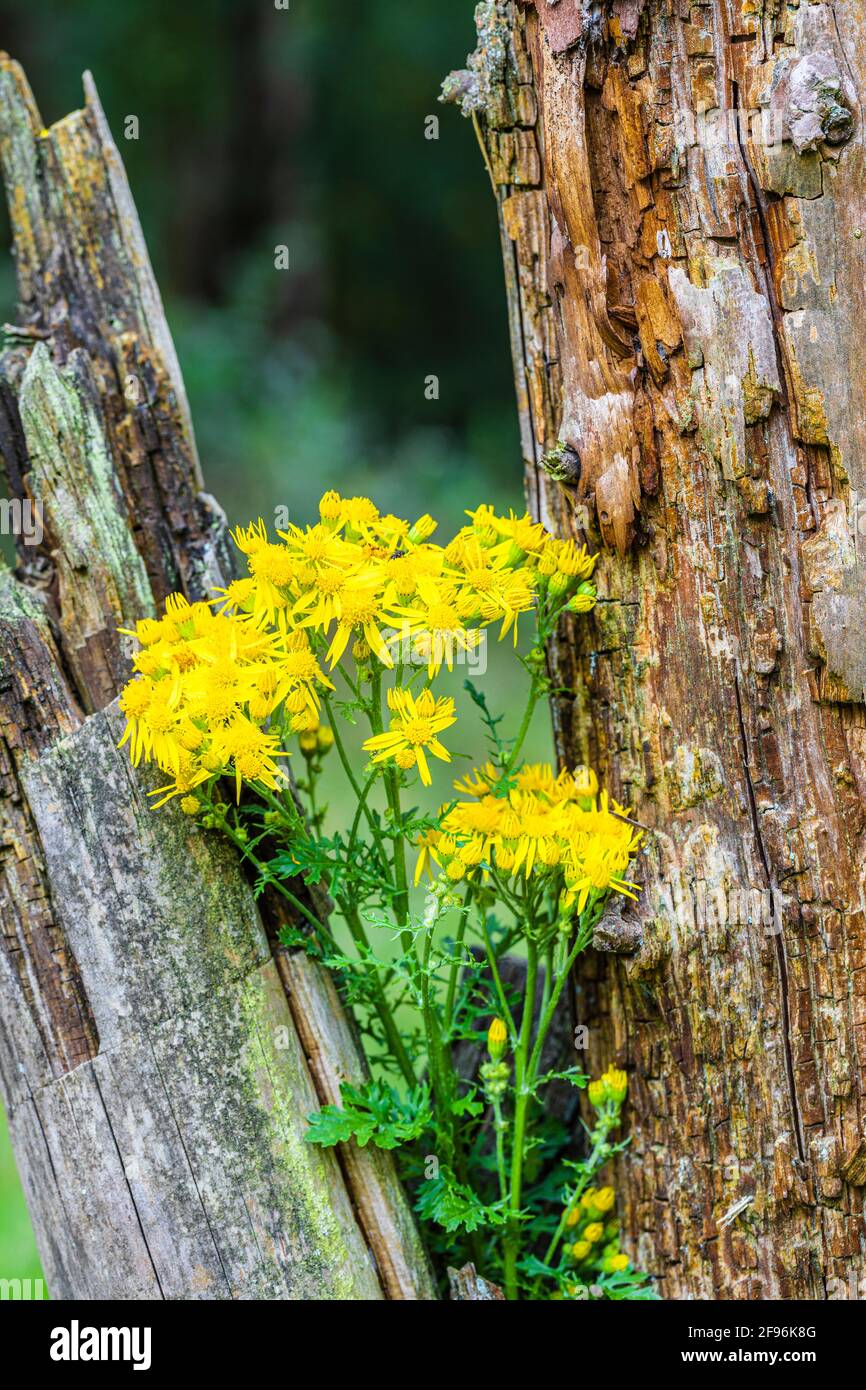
467	1105
295	939
454	1206
375	1113
626	1284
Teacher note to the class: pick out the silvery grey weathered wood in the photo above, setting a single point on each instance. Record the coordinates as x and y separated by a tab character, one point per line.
335	1056
181	1144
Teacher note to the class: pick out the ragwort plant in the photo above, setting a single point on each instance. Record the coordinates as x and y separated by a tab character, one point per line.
353	619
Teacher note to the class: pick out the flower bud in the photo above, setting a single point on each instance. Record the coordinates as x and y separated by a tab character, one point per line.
615	1084
422	528
330	507
325	738
585	783
584	599
472	853
497	1037
495	1076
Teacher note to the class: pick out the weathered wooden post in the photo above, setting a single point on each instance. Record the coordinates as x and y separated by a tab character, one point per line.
681	190
158	1054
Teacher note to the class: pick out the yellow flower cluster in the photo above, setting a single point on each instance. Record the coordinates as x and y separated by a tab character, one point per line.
205	684
594	1232
218	687
359	575
541	822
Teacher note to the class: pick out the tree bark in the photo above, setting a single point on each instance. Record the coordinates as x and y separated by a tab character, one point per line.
682	209
159	1053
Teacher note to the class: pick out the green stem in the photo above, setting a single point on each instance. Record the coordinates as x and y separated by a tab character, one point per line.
590	1167
318	927
392	790
347	768
581	941
380	999
499	1126
523	1095
401	896
455	964
442	1087
534	691
359	811
497	981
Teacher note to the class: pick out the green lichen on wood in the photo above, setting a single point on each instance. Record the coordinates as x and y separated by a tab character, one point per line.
73	477
308	1185
174	957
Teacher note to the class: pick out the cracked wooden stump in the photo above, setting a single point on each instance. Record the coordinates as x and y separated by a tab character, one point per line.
681	194
158	1056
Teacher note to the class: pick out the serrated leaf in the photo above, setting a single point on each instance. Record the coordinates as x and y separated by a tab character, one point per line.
454	1206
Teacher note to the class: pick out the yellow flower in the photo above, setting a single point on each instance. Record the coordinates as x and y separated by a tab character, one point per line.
580	1249
358	513
488	589
434	623
536	830
426	844
360	609
252	538
604	1199
594	1232
478	782
521	536
599	870
155	733
249	752
415	727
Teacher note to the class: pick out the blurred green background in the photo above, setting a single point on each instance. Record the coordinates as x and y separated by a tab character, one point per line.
261	127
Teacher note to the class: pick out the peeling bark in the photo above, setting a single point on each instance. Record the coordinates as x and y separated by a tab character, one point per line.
155	1063
681	201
